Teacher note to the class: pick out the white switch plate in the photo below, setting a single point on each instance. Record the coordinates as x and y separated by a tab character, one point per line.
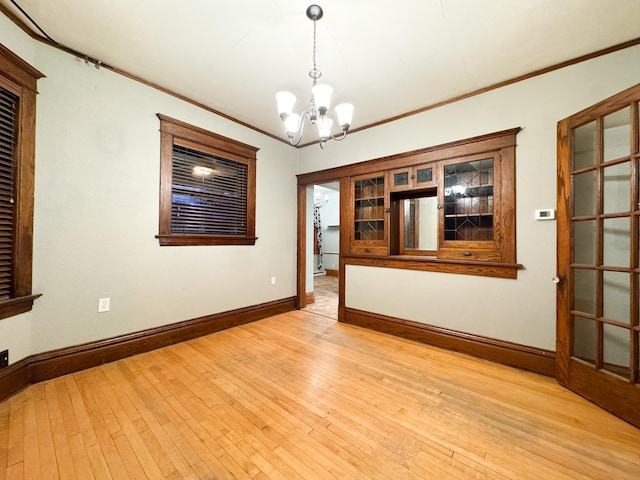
104	304
273	280
546	214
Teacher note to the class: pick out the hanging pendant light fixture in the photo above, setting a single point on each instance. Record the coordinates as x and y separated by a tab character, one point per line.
319	104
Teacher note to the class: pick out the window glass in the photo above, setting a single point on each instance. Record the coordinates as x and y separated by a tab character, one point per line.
209	194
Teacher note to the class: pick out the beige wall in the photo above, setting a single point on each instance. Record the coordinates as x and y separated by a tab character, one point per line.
522	310
96	213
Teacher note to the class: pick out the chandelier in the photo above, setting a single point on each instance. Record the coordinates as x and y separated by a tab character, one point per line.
316	112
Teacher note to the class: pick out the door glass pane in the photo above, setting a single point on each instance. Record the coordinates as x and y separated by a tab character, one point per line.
616	346
617	188
616	244
616	294
584	290
584	339
617	129
584	194
584	146
584	242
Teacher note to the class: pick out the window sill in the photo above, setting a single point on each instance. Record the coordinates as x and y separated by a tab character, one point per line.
194	240
433	264
16	306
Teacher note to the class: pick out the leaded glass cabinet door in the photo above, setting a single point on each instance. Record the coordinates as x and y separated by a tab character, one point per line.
369	222
469	213
598	242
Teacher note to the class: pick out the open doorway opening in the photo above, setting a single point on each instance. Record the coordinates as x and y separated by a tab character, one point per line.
323	248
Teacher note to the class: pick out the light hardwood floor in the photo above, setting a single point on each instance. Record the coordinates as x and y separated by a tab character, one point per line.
298	396
325	289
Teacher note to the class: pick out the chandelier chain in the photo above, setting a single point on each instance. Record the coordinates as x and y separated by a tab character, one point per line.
315	68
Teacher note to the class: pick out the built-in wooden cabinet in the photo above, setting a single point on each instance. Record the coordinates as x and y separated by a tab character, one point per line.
446	208
455	203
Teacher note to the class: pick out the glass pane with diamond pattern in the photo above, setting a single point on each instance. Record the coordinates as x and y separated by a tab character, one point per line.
468	200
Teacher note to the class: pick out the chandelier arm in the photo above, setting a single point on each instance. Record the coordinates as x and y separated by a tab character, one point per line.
341	137
300	132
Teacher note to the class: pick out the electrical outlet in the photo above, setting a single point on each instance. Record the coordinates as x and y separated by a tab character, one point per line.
4	359
104	304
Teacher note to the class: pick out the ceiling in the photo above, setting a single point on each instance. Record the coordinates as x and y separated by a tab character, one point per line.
387	58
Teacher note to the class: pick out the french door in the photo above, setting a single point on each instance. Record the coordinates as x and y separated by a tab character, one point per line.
598	243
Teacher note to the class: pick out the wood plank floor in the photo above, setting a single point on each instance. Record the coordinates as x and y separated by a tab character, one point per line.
299	396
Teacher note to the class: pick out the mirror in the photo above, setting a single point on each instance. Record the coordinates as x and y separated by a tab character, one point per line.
420	224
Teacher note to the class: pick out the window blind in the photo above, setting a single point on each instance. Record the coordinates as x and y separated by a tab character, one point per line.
8	139
213	204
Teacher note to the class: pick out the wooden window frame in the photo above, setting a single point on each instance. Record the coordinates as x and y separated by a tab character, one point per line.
20	78
174	132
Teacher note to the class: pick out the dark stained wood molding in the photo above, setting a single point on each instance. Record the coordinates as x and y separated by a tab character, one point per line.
301	247
520	356
332	273
47	365
181	240
442	265
583	58
310	297
480	144
18	70
17	305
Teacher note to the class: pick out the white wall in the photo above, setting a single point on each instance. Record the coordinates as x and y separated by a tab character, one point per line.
522	310
96	213
330	221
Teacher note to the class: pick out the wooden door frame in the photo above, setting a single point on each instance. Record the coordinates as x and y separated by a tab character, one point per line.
304	182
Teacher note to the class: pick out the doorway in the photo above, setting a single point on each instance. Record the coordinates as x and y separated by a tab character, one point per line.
323	248
598	331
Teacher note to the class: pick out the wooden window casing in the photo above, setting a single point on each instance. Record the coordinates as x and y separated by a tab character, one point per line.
210	210
17	170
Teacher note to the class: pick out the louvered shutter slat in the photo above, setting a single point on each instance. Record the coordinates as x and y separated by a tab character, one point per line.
211	205
8	141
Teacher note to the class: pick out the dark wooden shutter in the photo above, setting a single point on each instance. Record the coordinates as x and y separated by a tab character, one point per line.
8	140
214	204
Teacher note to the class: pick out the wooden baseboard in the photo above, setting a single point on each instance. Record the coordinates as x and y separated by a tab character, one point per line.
527	358
310	297
331	273
47	365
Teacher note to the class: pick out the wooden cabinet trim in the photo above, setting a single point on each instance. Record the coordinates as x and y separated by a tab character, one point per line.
442	265
460	148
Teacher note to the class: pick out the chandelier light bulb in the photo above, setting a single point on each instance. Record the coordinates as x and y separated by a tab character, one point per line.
324	128
322	97
286	101
345	115
291	124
